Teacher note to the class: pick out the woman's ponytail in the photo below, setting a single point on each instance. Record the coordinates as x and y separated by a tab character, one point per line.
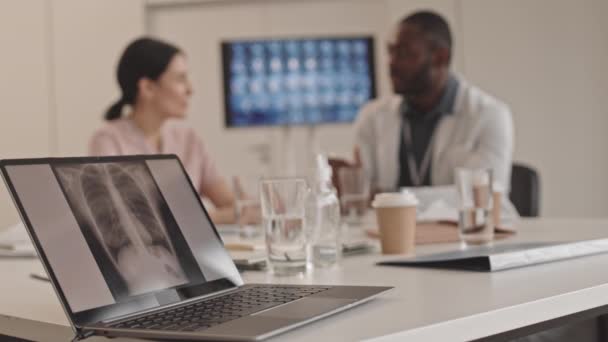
115	110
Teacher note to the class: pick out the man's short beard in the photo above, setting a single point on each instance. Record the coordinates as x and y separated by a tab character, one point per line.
421	82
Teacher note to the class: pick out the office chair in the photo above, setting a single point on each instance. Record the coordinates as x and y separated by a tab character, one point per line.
525	190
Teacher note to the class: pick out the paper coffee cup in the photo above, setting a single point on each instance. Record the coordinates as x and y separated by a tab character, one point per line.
396	216
481	190
497	194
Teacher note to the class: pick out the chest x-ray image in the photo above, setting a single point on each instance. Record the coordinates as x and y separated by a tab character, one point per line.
129	227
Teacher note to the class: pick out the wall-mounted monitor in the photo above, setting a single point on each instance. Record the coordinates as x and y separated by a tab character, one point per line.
297	81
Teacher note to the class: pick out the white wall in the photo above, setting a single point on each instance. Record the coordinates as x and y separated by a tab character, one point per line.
87	40
25	86
57	72
546	58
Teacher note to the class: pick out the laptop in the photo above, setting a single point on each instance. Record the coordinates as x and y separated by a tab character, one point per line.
131	251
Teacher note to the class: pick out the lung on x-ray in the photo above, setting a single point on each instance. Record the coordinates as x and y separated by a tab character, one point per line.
128	226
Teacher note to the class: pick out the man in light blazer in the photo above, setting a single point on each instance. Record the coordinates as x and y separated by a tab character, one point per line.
435	121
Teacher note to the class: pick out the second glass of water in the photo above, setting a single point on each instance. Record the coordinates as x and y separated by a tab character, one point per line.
354	193
283	213
474	188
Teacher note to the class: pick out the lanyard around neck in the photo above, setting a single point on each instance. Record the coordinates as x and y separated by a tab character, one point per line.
416	174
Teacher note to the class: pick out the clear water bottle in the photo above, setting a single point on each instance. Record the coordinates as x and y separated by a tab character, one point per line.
323	217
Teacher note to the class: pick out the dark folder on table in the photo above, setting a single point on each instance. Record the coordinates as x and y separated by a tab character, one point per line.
504	256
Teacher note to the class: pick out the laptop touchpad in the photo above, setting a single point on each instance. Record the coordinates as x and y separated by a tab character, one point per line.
306	308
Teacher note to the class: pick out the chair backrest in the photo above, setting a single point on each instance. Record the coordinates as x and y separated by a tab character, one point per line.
525	190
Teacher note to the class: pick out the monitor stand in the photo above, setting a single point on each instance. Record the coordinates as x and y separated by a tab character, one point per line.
312	143
289	151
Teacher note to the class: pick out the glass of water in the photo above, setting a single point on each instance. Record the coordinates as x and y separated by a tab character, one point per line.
283	215
354	193
474	188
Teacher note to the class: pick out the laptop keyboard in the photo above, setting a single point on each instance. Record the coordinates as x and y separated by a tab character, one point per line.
204	314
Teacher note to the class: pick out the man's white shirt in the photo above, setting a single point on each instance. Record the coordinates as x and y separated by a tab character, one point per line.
478	133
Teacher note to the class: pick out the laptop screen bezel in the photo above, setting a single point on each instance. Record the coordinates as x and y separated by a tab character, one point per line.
137	303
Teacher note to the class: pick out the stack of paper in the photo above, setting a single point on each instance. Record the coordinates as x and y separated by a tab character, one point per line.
14	242
440	203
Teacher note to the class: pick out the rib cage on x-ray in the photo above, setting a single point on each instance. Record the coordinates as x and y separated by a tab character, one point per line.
120	205
121	186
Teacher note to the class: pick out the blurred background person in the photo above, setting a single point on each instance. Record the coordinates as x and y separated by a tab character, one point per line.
436	121
153	79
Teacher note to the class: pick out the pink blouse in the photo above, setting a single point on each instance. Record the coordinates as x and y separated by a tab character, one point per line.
123	137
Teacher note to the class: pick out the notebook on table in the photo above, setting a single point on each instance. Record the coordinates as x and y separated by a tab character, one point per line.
131	251
505	256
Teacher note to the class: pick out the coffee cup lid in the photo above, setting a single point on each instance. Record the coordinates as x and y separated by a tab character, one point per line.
481	179
404	198
498	187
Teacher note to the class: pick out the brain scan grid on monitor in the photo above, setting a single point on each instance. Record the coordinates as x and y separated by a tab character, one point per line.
297	81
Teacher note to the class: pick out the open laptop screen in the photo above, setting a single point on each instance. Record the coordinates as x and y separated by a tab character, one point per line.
119	230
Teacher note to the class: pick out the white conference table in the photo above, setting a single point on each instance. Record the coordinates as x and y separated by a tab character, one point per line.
426	304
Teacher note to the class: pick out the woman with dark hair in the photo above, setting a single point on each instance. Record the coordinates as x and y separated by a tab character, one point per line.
154	84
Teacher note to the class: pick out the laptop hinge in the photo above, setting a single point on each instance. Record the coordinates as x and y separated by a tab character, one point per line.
82	334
